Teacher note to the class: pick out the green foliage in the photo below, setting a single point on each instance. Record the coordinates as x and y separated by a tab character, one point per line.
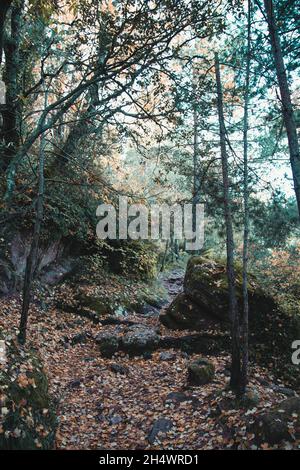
273	223
134	258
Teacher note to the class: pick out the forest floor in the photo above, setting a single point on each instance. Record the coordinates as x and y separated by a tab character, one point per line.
99	408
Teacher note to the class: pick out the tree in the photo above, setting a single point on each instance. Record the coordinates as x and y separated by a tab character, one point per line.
32	257
245	321
287	106
4	7
235	379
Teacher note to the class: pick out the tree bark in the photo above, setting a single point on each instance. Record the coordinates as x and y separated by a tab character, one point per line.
245	317
287	107
11	112
235	379
4	6
196	178
32	257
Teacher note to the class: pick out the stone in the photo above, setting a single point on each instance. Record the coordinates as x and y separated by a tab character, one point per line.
250	398
75	383
139	339
283	390
108	343
162	425
205	297
166	356
273	426
200	372
79	338
115	419
119	369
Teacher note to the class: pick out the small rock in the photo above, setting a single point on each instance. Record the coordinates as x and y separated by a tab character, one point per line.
166	356
200	372
75	383
284	390
115	419
108	343
79	338
250	399
162	425
119	369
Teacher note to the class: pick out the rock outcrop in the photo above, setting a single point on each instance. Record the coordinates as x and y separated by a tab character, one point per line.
205	297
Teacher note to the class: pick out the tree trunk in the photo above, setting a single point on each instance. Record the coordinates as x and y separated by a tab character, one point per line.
245	318
11	112
32	257
196	179
287	107
4	6
235	379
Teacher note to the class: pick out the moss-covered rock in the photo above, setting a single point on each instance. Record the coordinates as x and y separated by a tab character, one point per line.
206	284
200	372
280	423
27	419
205	297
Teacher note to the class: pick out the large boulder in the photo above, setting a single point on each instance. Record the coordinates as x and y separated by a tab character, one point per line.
280	423
27	418
205	296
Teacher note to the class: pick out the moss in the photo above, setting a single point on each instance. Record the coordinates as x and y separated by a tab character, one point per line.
28	419
200	372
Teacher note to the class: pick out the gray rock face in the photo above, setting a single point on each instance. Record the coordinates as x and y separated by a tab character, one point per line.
139	339
200	372
275	425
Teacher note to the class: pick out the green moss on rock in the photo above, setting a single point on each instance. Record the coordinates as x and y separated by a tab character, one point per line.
200	372
27	419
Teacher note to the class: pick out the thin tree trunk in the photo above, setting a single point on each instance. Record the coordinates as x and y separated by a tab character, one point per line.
165	256
32	257
245	318
196	179
4	6
235	379
287	107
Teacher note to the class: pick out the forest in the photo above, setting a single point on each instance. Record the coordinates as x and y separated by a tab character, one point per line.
149	226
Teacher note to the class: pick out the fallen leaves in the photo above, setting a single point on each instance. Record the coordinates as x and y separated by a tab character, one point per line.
99	408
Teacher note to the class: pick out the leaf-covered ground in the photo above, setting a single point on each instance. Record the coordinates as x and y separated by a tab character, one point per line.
100	408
